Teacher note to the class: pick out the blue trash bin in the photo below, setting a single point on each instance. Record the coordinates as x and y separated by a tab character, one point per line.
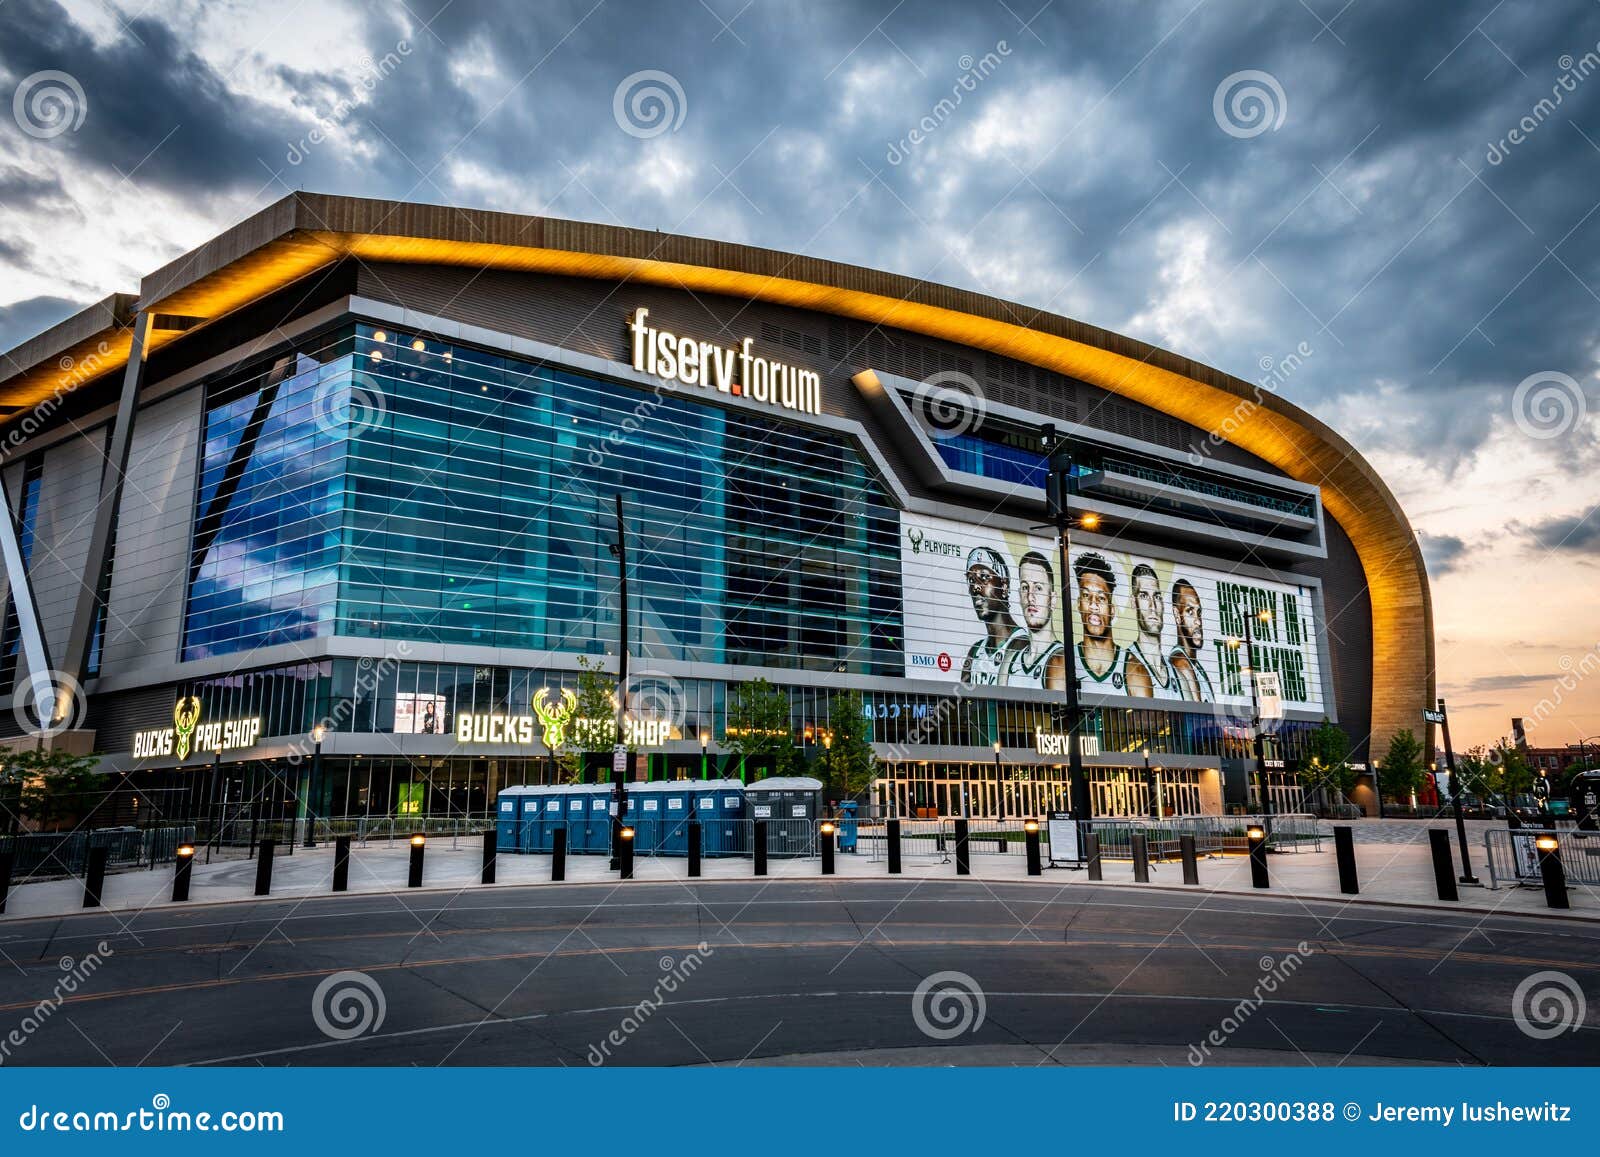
847	826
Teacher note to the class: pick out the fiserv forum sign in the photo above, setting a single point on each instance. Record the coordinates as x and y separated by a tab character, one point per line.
739	372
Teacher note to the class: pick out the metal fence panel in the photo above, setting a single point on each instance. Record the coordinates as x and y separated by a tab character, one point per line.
1513	858
40	854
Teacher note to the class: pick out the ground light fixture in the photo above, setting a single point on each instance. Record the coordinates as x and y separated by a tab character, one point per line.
414	874
1552	872
183	873
1257	836
827	829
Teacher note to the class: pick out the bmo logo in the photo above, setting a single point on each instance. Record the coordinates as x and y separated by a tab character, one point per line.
940	661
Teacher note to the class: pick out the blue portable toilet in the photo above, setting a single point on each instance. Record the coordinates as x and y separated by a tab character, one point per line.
847	826
531	803
647	812
720	807
508	819
597	837
677	808
574	815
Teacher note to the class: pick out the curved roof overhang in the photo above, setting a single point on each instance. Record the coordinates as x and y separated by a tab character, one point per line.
305	232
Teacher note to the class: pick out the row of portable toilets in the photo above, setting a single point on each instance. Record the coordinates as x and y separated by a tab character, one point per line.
529	816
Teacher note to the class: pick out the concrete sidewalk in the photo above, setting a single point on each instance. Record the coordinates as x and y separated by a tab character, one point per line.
1392	873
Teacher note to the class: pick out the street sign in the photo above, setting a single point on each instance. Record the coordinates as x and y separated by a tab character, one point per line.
1429	715
1269	694
619	759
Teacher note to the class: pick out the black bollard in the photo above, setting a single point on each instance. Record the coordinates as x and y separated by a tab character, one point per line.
5	879
491	848
182	870
341	863
558	855
1256	837
264	856
94	880
694	847
1141	857
893	827
1344	850
825	835
1552	872
1191	866
1444	873
1030	839
758	846
1091	852
625	852
963	850
419	845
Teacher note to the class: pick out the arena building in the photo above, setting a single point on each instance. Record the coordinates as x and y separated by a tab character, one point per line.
350	469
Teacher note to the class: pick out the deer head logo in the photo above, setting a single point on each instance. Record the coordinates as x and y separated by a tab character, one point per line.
554	715
185	715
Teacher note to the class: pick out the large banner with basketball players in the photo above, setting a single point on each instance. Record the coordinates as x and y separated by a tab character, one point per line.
983	606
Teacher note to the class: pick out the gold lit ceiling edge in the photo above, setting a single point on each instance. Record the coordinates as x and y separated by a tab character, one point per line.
1277	432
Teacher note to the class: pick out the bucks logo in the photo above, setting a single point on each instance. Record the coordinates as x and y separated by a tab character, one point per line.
915	535
184	718
554	715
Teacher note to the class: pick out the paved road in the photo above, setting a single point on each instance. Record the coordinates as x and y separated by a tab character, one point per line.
792	970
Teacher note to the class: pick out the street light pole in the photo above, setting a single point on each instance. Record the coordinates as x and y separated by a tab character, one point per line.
999	783
1150	788
705	740
621	757
1455	797
311	787
1058	493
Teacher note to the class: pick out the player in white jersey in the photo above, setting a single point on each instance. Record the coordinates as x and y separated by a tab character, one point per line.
988	660
1044	662
1145	667
1185	657
1099	657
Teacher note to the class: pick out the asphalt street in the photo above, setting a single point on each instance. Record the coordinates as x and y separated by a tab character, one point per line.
794	971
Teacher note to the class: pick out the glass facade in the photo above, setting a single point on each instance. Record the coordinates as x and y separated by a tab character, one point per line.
26	517
388	486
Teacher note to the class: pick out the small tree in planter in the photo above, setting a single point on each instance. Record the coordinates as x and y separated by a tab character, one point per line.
848	761
59	789
759	729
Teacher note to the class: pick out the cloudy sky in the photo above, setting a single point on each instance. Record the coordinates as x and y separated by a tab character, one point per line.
1412	191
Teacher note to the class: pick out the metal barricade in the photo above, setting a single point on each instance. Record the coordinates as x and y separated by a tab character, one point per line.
1513	859
44	854
931	840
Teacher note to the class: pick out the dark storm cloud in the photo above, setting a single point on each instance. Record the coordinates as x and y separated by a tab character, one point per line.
1086	173
28	318
1577	534
1442	552
157	114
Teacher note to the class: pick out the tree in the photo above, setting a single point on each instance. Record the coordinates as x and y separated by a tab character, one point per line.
1328	758
1515	772
1476	770
1402	765
848	761
57	786
759	729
